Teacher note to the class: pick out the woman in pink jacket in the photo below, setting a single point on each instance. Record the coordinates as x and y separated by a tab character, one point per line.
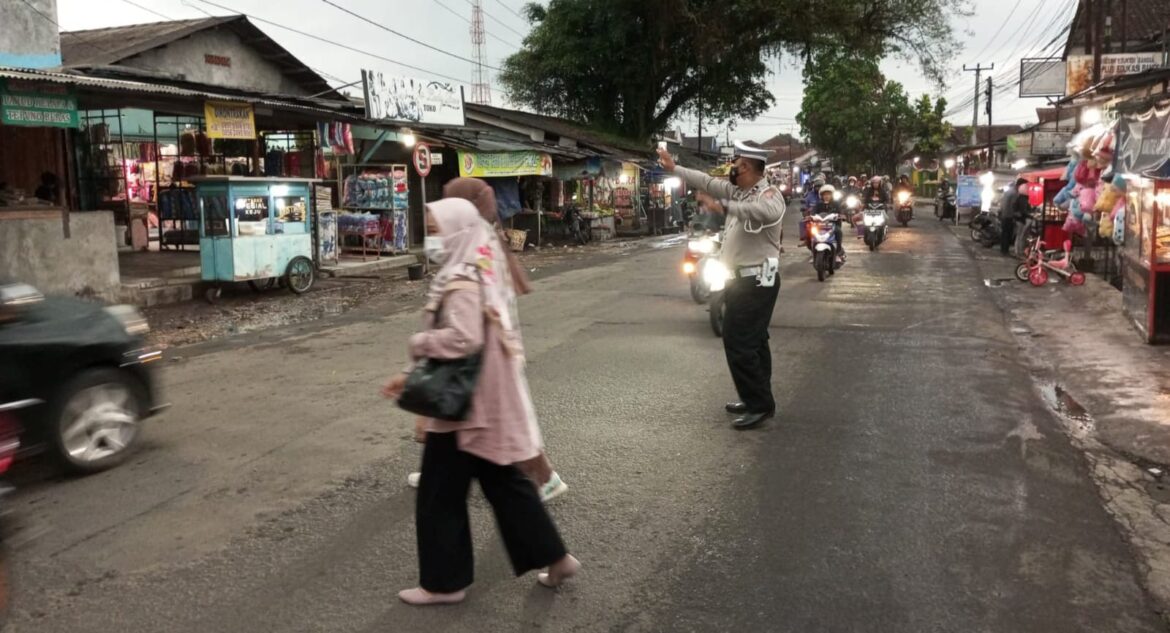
468	312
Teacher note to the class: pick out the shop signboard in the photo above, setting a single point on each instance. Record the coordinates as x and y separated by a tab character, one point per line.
1042	77
504	164
37	105
410	100
1079	72
1143	142
1050	143
228	119
969	192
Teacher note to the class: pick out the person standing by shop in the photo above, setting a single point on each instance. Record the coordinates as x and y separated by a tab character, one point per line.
1007	218
468	313
751	250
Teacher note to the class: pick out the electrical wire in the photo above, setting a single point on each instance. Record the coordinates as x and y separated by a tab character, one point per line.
489	33
331	42
73	33
511	10
406	37
148	10
497	20
1002	24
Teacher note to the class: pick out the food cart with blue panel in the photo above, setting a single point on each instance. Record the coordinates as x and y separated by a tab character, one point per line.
256	230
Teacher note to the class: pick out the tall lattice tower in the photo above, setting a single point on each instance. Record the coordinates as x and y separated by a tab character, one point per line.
481	87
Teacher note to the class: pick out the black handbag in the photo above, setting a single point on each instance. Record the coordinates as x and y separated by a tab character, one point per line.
442	388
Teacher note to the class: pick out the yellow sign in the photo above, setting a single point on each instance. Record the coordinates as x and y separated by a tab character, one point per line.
504	164
226	119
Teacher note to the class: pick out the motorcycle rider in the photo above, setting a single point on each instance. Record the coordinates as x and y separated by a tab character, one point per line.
875	191
811	197
826	205
903	185
851	187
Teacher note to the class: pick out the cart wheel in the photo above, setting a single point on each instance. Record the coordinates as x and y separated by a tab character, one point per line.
1077	279
300	275
212	294
260	285
1038	277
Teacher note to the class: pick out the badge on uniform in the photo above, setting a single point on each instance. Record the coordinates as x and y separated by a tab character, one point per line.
769	272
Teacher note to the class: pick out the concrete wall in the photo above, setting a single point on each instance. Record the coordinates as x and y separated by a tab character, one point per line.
35	252
248	70
27	39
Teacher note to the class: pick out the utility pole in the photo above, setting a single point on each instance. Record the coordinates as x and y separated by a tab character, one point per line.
1095	19
1124	25
978	70
990	140
699	147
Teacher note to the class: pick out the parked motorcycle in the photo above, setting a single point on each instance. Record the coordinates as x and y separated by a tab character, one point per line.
874	221
989	231
823	241
580	228
905	209
700	248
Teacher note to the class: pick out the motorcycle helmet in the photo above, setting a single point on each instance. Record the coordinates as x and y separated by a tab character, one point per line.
830	189
876	181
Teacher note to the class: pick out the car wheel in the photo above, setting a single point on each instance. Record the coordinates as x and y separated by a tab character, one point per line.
97	419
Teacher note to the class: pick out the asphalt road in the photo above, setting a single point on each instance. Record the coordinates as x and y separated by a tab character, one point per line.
914	480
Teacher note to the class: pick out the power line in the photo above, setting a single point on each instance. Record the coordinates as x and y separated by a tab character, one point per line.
74	33
511	10
403	35
148	9
328	41
1002	24
500	22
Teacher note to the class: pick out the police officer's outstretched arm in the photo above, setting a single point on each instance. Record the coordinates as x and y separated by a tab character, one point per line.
717	187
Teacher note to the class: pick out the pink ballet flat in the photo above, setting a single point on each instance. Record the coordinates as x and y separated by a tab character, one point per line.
559	572
420	597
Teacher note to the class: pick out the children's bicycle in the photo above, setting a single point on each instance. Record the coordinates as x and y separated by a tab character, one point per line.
1043	264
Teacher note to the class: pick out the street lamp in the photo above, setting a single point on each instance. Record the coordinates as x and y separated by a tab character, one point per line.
949	163
1019	164
407	138
1091	116
916	158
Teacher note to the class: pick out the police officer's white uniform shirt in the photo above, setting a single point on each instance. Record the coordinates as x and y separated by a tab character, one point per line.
754	217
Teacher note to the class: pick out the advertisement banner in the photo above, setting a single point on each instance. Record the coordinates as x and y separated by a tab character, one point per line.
227	119
1050	143
411	100
37	105
969	192
1143	143
504	164
1079	74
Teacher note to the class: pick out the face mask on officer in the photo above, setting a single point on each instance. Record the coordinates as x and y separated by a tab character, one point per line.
733	175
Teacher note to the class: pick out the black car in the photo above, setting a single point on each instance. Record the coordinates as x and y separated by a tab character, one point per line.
77	375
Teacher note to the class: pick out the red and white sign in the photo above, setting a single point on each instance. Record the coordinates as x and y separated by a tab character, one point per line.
422	159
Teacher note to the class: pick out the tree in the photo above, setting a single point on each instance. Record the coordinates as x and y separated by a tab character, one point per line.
632	66
851	112
933	129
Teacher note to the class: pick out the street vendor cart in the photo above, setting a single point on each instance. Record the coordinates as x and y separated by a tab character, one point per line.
256	230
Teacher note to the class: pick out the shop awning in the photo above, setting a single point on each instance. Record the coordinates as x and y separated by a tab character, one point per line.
1050	173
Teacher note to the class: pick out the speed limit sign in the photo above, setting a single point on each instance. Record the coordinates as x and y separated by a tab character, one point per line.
422	159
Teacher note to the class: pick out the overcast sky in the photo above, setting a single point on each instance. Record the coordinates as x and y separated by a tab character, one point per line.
1000	32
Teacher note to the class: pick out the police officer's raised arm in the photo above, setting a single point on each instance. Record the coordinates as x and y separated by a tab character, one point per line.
717	187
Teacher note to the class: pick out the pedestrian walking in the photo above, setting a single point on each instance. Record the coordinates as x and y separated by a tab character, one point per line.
751	251
468	312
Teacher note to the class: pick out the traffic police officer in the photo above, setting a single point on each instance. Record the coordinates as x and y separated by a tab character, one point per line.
751	250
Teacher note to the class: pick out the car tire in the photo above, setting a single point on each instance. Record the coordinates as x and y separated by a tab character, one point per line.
96	419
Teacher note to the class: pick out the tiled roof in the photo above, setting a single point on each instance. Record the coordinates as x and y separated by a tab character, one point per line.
1145	22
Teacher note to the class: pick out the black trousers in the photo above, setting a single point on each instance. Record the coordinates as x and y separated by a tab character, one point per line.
745	341
1007	234
445	559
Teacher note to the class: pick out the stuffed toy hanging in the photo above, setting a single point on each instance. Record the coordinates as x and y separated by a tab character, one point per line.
1119	226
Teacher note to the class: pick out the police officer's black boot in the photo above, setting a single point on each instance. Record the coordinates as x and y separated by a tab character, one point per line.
751	420
736	407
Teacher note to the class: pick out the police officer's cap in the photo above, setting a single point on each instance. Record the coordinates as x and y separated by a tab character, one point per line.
743	150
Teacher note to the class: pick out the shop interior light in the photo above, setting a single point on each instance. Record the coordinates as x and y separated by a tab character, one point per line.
625	180
949	163
1091	116
280	190
986	179
672	183
916	159
1019	164
407	138
1163	199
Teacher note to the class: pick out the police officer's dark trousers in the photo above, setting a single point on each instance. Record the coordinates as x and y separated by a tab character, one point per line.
745	340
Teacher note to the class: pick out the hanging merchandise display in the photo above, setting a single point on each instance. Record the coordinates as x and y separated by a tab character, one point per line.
381	190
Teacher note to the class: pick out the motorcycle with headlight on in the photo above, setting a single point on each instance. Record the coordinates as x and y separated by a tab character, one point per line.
823	238
699	249
716	274
874	220
905	208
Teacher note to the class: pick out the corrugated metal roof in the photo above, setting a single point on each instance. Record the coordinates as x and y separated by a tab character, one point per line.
102	84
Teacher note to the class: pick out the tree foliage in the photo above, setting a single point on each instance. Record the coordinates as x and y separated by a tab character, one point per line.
860	119
933	128
632	66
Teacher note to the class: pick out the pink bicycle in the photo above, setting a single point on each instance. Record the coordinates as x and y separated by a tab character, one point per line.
1041	264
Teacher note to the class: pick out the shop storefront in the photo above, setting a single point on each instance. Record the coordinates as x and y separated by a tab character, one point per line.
1143	160
525	187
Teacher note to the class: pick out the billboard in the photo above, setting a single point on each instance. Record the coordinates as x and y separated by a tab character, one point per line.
1079	74
228	119
408	100
1050	143
1042	77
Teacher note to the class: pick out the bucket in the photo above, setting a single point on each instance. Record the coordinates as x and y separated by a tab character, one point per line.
414	272
516	239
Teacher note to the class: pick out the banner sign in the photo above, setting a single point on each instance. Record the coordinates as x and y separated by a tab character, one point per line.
37	105
969	192
1042	77
504	164
227	119
1079	74
412	100
1143	142
1050	143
